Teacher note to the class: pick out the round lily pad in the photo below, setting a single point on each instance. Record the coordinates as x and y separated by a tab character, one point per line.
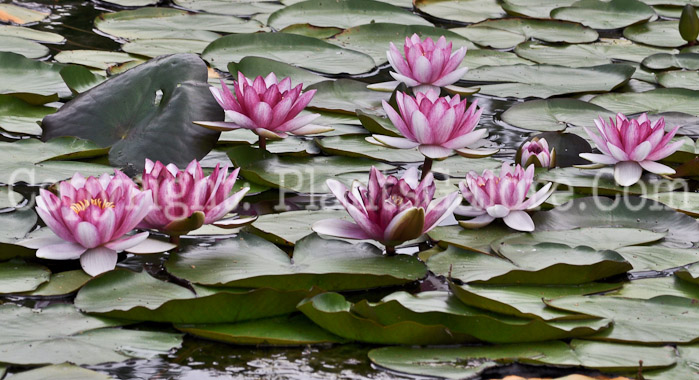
253	67
287	228
63	371
61	283
17	276
593	237
18	116
679	79
460	10
27	48
10	13
598	14
153	47
554	114
347	95
583	55
33	81
297	50
656	33
357	146
97	59
342	14
658	258
484	57
241	8
662	61
506	33
30	34
653	101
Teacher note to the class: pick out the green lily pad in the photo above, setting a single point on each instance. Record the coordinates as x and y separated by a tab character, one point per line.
289	330
342	14
80	79
333	312
153	47
664	319
63	148
458	167
63	371
662	61
9	198
471	239
61	283
347	95
47	172
127	114
97	59
554	114
241	8
138	296
297	50
601	181
648	288
599	238
524	301
682	201
20	15
253	67
27	48
287	228
31	34
545	264
689	274
250	261
657	258
629	212
653	101
172	23
679	79
373	38
600	14
534	8
31	337
17	276
442	308
469	361
357	146
583	55
544	81
16	225
460	10
484	57
686	367
299	174
656	33
18	116
506	33
33	81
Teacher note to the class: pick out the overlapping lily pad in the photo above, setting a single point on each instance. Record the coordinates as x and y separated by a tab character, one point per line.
31	337
460	10
33	81
601	181
131	118
357	146
342	14
662	61
600	14
689	274
10	13
250	261
544	81
679	79
583	55
307	52
97	59
241	8
60	372
288	227
17	276
657	33
658	258
599	238
653	101
30	34
554	114
16	225
61	283
506	33
22	46
153	47
471	239
347	95
18	116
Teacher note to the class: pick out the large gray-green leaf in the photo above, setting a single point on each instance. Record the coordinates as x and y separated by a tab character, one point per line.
472	239
657	33
599	238
662	61
347	95
342	14
506	33
250	261
63	371
138	296
97	59
59	333
287	228
544	81
658	258
131	113
30	34
241	7
18	116
373	38
16	224
153	47
20	15
253	67
598	14
546	263
601	181
171	23
460	10
653	101
357	146
62	283
679	79
297	50
534	8
665	319
554	114
583	55
17	276
27	48
33	81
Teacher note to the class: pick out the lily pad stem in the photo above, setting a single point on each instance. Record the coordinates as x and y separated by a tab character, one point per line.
426	167
262	143
390	250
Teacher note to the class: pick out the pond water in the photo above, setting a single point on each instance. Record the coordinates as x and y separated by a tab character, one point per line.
204	359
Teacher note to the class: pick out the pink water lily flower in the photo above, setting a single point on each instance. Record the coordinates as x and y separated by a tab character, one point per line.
436	125
186	199
426	64
266	106
631	146
536	152
90	219
390	210
503	196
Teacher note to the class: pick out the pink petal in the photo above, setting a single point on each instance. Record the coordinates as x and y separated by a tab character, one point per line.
477	222
61	251
641	151
656	167
599	158
410	82
422	70
435	151
87	235
126	242
451	78
498	211
617	152
465	140
627	173
440	209
225	207
340	228
520	221
240	120
98	260
395	142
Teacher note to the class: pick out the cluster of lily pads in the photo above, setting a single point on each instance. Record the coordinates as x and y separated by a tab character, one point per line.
556	294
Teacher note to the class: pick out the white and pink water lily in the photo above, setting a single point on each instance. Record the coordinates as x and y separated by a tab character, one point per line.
505	196
536	152
186	199
437	126
90	218
632	146
389	210
266	106
426	64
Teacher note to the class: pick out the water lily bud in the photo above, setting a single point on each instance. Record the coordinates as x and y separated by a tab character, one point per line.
536	152
689	23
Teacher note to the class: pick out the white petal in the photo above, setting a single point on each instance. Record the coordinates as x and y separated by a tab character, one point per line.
498	211
599	158
61	251
468	211
477	222
627	173
340	228
520	221
98	260
435	152
394	142
149	246
656	167
126	242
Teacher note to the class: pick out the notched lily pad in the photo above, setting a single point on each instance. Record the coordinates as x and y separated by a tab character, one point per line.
506	33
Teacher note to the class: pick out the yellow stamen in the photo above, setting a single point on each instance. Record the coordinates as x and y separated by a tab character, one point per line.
84	204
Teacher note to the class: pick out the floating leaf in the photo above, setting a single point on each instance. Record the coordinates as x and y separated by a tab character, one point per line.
506	33
80	79
472	239
679	79
683	201
689	274
23	46
32	81
153	47
287	228
61	283
648	288
31	34
241	8
97	59
653	101
656	33
601	181
63	371
658	258
127	114
600	14
599	238
460	10
250	261
662	61
544	81
253	67
16	225
16	276
10	13
18	116
302	51
346	95
357	146
584	55
554	114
